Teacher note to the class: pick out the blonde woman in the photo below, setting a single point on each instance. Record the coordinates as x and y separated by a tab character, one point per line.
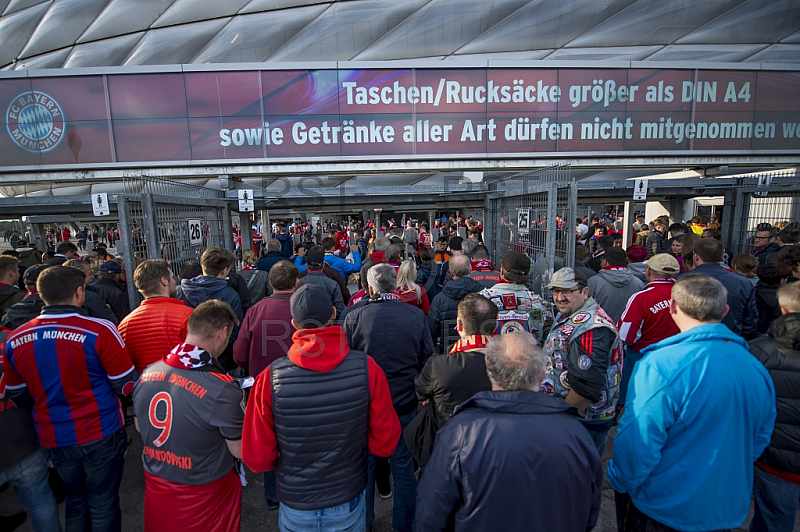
256	279
407	288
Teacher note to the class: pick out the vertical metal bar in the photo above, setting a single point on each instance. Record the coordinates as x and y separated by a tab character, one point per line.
573	215
227	237
151	237
126	243
552	227
488	227
738	221
727	218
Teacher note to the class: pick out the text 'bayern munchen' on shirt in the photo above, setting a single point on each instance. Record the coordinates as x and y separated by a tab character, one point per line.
74	367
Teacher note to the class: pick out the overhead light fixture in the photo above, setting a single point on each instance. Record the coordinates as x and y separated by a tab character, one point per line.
234	38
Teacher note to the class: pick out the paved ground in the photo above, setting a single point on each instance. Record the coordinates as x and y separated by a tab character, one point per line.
255	516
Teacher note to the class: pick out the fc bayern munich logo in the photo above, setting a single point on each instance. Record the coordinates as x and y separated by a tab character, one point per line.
35	121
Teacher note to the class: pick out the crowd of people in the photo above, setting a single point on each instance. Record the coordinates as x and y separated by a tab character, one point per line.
443	382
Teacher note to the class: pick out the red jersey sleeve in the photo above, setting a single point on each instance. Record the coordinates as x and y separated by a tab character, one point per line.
259	443
114	356
630	323
10	378
384	426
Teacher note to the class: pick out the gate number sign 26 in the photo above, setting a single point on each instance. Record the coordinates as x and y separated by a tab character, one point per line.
195	232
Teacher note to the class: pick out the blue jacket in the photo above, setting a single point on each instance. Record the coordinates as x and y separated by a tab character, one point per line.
700	411
742	318
269	260
507	460
342	266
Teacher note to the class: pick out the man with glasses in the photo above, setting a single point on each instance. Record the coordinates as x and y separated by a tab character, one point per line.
764	245
585	355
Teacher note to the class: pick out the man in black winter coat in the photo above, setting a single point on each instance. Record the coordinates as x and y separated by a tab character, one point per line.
108	285
776	484
449	380
444	307
30	307
479	476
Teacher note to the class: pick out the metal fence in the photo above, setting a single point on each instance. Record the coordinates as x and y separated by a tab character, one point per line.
764	198
170	220
533	213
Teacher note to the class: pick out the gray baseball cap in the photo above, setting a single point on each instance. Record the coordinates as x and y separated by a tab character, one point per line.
567	278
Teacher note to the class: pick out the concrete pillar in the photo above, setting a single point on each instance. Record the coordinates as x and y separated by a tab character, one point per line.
627	224
246	230
266	226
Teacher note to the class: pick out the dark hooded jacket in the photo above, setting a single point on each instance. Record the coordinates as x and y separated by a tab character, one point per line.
444	307
9	295
476	480
203	288
779	351
29	256
22	312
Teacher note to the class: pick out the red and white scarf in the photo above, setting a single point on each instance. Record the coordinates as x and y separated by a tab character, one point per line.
470	343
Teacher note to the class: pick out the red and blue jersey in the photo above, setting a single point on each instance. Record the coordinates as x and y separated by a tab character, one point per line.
73	366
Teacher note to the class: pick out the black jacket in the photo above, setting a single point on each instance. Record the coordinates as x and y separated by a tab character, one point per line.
767	254
767	305
22	312
743	314
113	294
451	379
481	475
10	295
779	351
444	307
396	336
95	307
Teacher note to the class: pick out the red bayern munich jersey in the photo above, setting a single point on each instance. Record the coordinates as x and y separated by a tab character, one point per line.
646	319
72	366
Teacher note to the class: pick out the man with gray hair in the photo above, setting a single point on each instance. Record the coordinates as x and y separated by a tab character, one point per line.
517	434
396	335
700	411
444	307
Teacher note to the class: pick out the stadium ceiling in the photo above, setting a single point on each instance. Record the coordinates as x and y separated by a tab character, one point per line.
64	34
36	34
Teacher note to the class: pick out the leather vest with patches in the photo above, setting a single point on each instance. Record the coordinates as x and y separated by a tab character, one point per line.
567	329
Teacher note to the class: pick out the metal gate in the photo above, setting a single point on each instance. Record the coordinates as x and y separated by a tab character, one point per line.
764	198
549	211
170	220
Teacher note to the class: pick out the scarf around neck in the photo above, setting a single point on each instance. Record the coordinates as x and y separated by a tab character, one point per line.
188	356
470	343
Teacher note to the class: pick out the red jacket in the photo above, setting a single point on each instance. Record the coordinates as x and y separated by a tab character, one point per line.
153	329
253	350
410	297
329	345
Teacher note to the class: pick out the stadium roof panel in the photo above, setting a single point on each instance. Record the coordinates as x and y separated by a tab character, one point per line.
86	33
